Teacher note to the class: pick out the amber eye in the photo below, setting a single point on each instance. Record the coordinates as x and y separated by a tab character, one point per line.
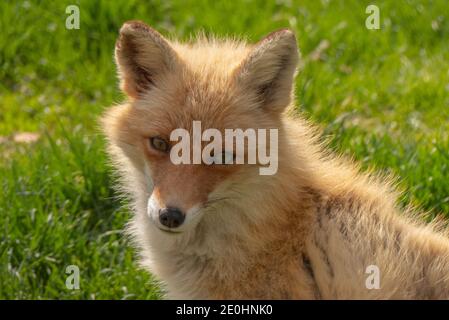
159	144
223	158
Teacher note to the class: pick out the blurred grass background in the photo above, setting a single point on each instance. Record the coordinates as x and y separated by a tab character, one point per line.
381	95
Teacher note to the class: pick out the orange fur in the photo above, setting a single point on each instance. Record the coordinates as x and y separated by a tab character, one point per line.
309	231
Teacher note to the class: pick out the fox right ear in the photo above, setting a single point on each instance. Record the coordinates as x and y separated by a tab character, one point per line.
142	55
269	69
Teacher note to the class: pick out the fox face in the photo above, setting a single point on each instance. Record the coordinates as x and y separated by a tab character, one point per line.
171	85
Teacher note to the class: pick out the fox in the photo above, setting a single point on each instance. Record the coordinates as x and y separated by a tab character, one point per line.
319	228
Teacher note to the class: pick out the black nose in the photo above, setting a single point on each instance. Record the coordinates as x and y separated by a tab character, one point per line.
171	217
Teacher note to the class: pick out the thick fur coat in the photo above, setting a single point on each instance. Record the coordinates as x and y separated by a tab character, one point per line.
308	232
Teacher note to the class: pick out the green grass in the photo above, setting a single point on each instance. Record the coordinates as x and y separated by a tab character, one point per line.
381	95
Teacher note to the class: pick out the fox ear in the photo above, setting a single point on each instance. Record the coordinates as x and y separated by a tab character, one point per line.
142	56
269	69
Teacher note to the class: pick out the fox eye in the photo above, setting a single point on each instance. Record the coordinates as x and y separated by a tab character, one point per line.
159	144
223	158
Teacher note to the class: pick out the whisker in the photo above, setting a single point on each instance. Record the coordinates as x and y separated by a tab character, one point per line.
213	201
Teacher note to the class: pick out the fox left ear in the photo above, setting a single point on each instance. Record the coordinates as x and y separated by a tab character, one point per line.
269	69
142	55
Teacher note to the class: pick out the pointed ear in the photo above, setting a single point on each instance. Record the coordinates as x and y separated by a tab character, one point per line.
269	69
142	56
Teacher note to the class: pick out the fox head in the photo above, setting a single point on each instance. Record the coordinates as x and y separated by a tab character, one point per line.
224	84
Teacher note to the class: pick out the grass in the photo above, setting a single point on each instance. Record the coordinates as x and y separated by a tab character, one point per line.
381	95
